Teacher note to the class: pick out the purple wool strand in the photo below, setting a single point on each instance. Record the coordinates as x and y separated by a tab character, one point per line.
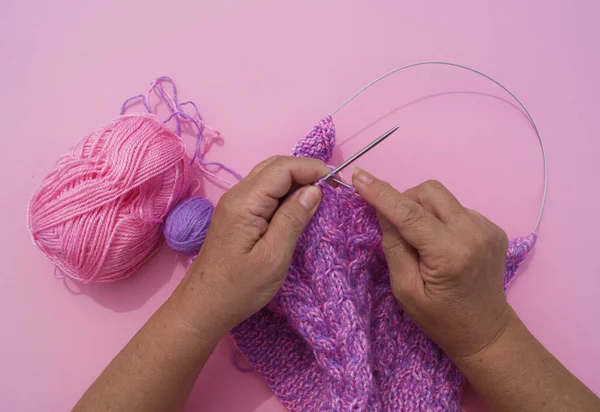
171	100
187	224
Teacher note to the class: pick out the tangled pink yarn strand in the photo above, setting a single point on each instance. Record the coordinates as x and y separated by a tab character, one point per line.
58	274
176	111
171	102
199	152
178	114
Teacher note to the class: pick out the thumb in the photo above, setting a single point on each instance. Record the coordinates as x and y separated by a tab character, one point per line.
291	218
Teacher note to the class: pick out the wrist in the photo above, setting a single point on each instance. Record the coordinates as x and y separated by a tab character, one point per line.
200	310
509	326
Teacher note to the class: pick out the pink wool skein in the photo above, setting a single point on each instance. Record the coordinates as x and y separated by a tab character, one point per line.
98	215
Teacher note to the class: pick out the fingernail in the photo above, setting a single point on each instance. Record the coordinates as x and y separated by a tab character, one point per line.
310	197
362	176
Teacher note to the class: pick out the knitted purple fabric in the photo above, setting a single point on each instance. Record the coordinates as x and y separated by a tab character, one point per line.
334	338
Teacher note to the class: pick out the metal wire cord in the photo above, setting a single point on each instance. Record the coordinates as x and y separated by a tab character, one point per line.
460	66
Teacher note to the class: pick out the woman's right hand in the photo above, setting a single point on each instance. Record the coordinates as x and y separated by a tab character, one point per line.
446	263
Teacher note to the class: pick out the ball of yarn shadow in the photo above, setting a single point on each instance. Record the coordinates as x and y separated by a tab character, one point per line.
98	215
187	224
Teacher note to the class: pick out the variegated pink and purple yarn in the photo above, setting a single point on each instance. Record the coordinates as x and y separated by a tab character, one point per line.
334	338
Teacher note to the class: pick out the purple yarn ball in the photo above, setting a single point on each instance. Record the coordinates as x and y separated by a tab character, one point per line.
186	225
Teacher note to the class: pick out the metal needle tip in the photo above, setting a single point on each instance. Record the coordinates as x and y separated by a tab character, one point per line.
359	154
341	183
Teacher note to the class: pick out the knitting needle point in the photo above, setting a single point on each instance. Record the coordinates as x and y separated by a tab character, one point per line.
341	183
359	154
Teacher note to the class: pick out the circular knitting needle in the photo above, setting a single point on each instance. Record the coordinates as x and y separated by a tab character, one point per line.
357	155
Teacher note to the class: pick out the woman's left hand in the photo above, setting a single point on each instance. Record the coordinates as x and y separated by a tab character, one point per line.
250	243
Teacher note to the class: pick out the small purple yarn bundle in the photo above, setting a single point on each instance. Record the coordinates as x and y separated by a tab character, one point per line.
187	224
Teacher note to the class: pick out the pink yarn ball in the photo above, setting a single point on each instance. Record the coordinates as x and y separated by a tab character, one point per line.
97	216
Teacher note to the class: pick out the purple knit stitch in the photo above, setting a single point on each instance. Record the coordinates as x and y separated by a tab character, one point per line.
334	338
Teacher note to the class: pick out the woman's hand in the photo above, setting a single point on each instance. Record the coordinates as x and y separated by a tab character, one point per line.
243	261
447	271
446	266
446	263
250	243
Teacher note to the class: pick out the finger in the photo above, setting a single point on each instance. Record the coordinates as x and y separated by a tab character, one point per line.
290	220
417	226
403	263
260	166
436	199
401	256
499	234
476	215
275	180
481	219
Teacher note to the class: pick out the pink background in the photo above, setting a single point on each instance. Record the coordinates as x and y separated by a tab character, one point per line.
263	73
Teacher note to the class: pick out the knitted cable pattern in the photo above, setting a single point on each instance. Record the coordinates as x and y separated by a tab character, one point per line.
334	337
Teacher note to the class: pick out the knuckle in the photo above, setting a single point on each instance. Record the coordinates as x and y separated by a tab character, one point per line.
267	166
431	187
414	193
231	212
463	256
222	205
432	184
260	166
411	212
227	204
264	162
276	158
277	161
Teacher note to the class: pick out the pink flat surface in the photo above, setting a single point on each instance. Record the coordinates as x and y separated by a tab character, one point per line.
263	73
